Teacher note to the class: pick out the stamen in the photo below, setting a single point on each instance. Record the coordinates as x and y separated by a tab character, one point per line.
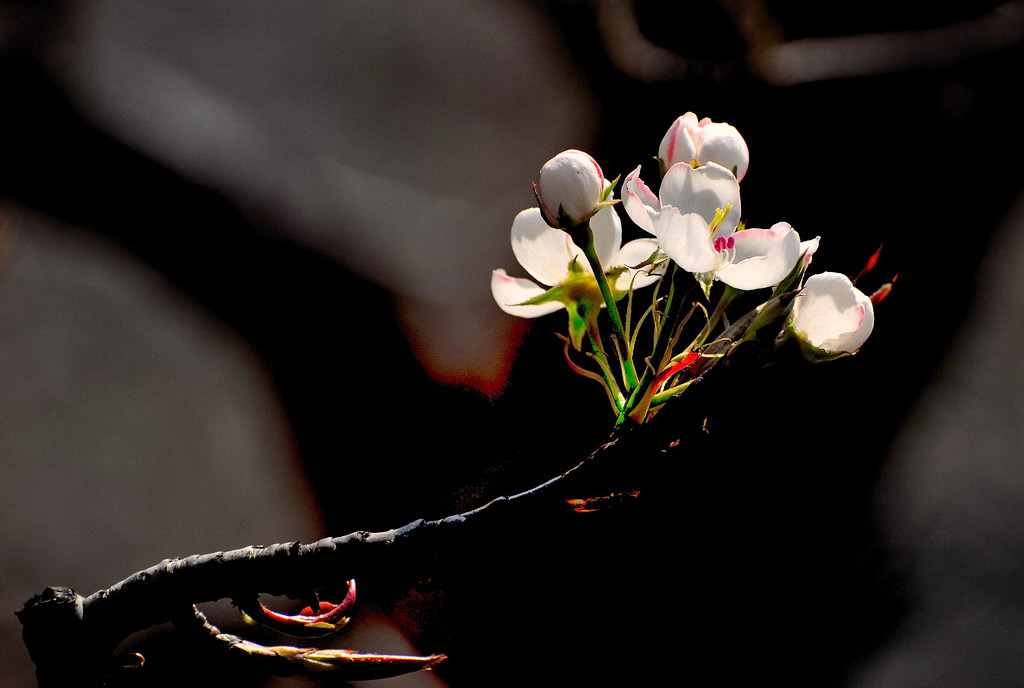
719	216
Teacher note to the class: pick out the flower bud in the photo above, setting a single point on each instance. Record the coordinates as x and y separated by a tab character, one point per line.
680	142
706	141
570	189
831	317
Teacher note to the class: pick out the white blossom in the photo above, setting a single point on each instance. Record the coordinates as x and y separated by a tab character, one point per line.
831	314
705	141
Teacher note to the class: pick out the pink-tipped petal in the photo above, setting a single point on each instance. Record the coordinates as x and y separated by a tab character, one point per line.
809	248
702	191
640	203
508	291
679	143
686	238
543	251
761	257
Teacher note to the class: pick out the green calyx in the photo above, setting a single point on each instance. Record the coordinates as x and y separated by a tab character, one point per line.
809	351
581	296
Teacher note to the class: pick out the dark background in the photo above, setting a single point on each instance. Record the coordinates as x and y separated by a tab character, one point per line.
845	524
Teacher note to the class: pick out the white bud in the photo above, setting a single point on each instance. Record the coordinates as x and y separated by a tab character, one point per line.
706	141
569	189
832	315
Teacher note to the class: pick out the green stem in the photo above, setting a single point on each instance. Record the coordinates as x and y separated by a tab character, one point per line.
673	312
590	251
662	397
614	394
727	296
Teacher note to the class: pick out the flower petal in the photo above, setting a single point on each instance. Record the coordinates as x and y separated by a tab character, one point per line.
721	143
761	257
508	291
640	203
680	141
607	228
703	190
543	251
634	253
831	314
809	248
687	240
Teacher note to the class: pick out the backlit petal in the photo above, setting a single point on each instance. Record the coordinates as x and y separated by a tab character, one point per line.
639	201
543	251
607	228
702	191
686	238
679	143
809	248
634	253
508	291
761	257
721	143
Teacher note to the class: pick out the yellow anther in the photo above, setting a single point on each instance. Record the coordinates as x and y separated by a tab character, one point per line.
719	216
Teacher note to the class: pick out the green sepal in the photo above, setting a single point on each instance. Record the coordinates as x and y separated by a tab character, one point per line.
705	280
613	277
610	188
795	277
811	352
658	256
771	311
581	297
577	325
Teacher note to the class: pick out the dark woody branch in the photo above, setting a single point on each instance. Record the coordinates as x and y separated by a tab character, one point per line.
71	638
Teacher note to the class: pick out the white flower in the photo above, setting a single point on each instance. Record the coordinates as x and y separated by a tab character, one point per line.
547	255
687	217
569	189
705	141
758	258
832	315
688	203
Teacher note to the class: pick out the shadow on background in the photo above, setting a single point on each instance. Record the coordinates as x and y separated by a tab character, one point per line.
244	299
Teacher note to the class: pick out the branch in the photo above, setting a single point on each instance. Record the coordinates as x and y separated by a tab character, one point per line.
71	638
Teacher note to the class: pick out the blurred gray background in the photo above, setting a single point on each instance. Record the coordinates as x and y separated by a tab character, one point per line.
244	298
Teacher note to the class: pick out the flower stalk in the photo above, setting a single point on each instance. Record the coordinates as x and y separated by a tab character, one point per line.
586	234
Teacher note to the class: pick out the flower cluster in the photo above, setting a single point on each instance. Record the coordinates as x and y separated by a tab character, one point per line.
572	245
